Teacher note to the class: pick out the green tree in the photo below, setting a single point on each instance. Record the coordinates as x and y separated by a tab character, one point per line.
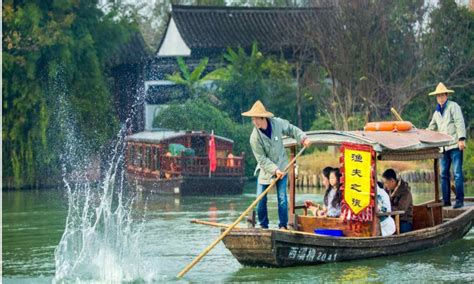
194	80
250	76
200	114
241	80
469	161
448	49
51	47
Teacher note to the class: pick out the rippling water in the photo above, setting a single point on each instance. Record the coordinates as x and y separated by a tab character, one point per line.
34	221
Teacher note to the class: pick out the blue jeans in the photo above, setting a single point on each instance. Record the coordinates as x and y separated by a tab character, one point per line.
454	157
282	204
405	227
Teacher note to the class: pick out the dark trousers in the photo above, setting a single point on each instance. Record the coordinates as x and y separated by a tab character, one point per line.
452	157
405	227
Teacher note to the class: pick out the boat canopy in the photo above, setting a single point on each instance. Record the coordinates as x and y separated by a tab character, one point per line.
159	136
416	144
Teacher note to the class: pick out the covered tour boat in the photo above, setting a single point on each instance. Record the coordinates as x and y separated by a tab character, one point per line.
433	224
177	162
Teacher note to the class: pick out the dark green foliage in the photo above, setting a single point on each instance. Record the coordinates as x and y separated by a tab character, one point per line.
200	114
390	57
51	47
448	50
250	76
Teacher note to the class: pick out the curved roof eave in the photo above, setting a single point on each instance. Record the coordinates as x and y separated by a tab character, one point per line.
381	141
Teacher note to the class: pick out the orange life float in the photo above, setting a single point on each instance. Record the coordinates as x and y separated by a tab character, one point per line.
389	126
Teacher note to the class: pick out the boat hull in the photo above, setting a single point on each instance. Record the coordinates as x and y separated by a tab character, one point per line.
276	248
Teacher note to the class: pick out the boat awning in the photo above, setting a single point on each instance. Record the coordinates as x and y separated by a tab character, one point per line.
417	144
158	136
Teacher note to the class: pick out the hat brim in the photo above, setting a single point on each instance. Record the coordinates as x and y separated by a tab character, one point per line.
443	92
254	114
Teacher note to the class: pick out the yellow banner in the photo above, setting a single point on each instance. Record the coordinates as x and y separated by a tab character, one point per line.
357	179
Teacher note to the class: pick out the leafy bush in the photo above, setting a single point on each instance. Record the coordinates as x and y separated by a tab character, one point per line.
469	161
52	49
202	115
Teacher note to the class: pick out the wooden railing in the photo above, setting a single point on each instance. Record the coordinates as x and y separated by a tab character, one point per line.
199	166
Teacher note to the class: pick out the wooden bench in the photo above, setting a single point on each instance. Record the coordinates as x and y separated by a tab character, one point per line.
397	218
305	209
427	215
432	207
306	223
393	213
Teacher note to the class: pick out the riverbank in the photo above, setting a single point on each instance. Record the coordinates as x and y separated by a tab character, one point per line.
310	166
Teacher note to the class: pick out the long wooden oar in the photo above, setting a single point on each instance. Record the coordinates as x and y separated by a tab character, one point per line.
220	225
212	224
242	216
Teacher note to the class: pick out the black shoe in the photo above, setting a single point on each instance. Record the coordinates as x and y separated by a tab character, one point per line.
283	228
446	204
458	205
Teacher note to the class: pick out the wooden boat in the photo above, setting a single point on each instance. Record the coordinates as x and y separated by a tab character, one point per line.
151	167
433	224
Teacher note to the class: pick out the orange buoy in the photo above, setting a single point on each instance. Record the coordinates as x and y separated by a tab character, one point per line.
389	126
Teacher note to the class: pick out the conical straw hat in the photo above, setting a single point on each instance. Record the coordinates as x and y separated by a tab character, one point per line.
441	89
258	110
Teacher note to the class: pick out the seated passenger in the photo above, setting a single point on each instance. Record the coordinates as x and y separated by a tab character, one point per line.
400	198
325	176
325	181
333	196
230	160
387	224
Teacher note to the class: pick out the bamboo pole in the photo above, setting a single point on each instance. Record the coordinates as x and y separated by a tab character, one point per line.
212	224
395	113
292	184
236	222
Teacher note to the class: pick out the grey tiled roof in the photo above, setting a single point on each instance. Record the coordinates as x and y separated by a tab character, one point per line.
210	27
156	136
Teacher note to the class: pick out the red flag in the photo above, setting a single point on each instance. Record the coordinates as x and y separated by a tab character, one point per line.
212	154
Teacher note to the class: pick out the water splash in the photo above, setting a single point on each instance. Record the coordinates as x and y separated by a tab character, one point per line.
101	240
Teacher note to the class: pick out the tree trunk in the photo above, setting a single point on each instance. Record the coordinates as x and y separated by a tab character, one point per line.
298	95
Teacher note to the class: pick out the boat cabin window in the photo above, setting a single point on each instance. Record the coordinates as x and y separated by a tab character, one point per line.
147	163
137	157
156	155
131	151
199	144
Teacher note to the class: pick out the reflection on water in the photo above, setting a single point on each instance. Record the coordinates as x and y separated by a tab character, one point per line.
359	274
33	222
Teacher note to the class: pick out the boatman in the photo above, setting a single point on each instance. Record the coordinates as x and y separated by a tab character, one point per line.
267	146
448	119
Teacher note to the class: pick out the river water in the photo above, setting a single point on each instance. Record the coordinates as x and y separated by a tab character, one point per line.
34	221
